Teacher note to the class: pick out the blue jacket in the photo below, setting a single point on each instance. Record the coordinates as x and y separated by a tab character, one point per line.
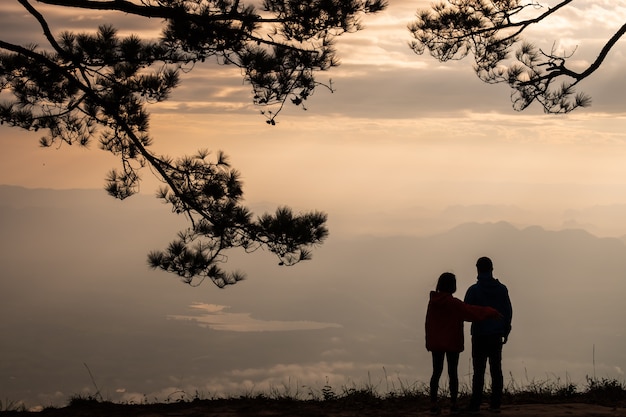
488	291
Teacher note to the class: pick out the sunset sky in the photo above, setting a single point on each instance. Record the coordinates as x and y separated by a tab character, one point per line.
405	148
400	129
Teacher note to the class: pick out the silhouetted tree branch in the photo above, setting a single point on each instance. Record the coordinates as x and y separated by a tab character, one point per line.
98	85
489	30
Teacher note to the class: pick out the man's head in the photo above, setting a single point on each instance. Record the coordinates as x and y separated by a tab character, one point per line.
484	264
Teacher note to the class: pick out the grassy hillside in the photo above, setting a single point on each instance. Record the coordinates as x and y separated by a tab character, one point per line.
605	395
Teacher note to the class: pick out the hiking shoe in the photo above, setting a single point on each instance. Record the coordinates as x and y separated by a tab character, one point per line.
435	410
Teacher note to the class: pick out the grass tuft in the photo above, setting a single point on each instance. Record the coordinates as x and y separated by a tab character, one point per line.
605	391
9	405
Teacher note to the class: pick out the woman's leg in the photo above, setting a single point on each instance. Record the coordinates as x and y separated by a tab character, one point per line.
438	358
453	375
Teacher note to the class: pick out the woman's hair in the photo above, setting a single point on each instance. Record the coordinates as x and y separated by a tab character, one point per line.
447	283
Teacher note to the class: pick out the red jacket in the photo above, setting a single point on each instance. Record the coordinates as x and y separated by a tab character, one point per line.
444	321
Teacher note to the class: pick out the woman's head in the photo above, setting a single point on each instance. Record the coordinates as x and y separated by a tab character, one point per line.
447	283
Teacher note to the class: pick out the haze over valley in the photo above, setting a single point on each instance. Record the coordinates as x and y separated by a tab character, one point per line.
77	292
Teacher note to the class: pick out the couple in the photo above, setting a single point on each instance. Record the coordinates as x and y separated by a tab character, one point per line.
488	306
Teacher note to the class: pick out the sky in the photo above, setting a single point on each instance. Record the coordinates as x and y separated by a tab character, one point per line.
404	148
405	125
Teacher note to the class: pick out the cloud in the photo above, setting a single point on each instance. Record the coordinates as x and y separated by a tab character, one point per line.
217	317
379	75
338	375
301	380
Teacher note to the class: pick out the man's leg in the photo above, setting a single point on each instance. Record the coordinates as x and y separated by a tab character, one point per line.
479	363
495	369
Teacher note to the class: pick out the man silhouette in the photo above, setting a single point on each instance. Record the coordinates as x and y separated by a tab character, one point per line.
488	336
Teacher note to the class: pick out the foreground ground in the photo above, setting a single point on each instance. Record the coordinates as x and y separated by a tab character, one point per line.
286	408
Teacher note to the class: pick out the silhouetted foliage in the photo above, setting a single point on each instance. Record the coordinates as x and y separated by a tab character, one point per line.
490	30
82	86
